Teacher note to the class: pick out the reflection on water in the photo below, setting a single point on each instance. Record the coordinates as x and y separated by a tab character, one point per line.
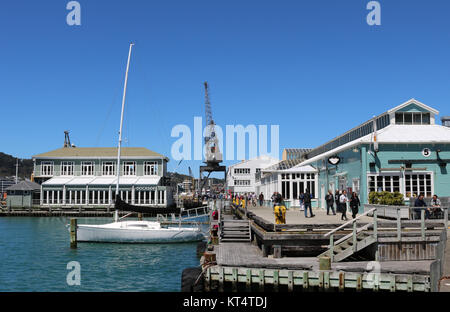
34	253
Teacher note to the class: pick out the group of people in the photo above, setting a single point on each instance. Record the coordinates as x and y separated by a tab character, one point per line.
430	211
340	199
249	198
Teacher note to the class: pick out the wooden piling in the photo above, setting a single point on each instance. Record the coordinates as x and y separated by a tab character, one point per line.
277	251
73	233
325	263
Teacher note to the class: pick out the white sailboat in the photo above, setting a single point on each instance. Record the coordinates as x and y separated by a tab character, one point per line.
134	231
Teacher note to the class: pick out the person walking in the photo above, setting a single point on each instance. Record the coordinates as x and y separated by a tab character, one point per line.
307	203
261	199
301	199
330	202
354	204
336	200
343	205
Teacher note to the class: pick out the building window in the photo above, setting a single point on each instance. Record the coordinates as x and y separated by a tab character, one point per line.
87	168
129	168
150	168
108	168
380	183
47	168
412	118
242	182
418	183
243	171
67	168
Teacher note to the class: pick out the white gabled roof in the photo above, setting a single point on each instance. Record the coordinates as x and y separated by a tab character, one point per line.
413	134
395	134
262	159
300	169
413	101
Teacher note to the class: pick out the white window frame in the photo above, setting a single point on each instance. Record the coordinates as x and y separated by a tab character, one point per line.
84	166
67	168
356	185
242	183
150	168
401	188
109	168
242	171
126	171
47	168
411	173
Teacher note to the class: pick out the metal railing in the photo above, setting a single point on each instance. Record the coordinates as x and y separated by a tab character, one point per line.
355	231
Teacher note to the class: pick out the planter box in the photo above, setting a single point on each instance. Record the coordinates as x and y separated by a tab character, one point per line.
386	211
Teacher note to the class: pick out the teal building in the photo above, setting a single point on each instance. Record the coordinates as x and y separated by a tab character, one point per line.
403	149
77	176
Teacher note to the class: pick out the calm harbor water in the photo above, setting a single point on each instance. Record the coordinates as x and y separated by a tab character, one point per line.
34	253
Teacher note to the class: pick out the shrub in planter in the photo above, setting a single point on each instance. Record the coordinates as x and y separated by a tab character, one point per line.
386	198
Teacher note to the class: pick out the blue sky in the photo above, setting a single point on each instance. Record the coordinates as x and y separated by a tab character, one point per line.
316	68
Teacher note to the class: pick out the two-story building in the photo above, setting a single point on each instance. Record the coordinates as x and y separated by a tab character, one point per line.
78	176
241	176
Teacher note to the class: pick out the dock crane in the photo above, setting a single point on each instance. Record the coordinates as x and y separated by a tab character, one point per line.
67	140
213	156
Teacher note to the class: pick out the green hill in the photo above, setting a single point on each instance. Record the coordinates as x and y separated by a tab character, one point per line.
8	166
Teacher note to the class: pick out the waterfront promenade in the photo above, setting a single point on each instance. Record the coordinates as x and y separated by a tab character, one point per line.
295	216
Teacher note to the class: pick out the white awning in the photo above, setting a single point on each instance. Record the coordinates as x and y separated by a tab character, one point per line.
111	180
58	181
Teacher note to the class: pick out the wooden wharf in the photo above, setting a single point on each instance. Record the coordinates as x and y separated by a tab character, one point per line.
406	255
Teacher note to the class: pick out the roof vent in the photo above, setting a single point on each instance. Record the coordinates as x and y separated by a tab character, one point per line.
446	121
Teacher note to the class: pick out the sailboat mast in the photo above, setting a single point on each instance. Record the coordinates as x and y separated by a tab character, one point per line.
121	125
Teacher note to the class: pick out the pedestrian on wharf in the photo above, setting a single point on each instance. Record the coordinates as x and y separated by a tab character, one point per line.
419	202
354	204
436	206
273	198
330	202
280	213
343	205
336	200
261	199
307	202
301	200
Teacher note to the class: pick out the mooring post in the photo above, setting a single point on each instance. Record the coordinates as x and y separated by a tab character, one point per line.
277	251
73	233
324	263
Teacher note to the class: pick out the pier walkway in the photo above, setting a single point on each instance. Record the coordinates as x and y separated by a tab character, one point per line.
288	256
295	216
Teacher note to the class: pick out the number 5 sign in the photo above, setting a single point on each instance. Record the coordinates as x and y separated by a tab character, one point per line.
426	152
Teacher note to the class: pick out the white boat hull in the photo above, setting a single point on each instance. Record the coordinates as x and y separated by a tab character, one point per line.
137	232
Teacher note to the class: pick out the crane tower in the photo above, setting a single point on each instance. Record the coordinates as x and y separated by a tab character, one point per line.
213	156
